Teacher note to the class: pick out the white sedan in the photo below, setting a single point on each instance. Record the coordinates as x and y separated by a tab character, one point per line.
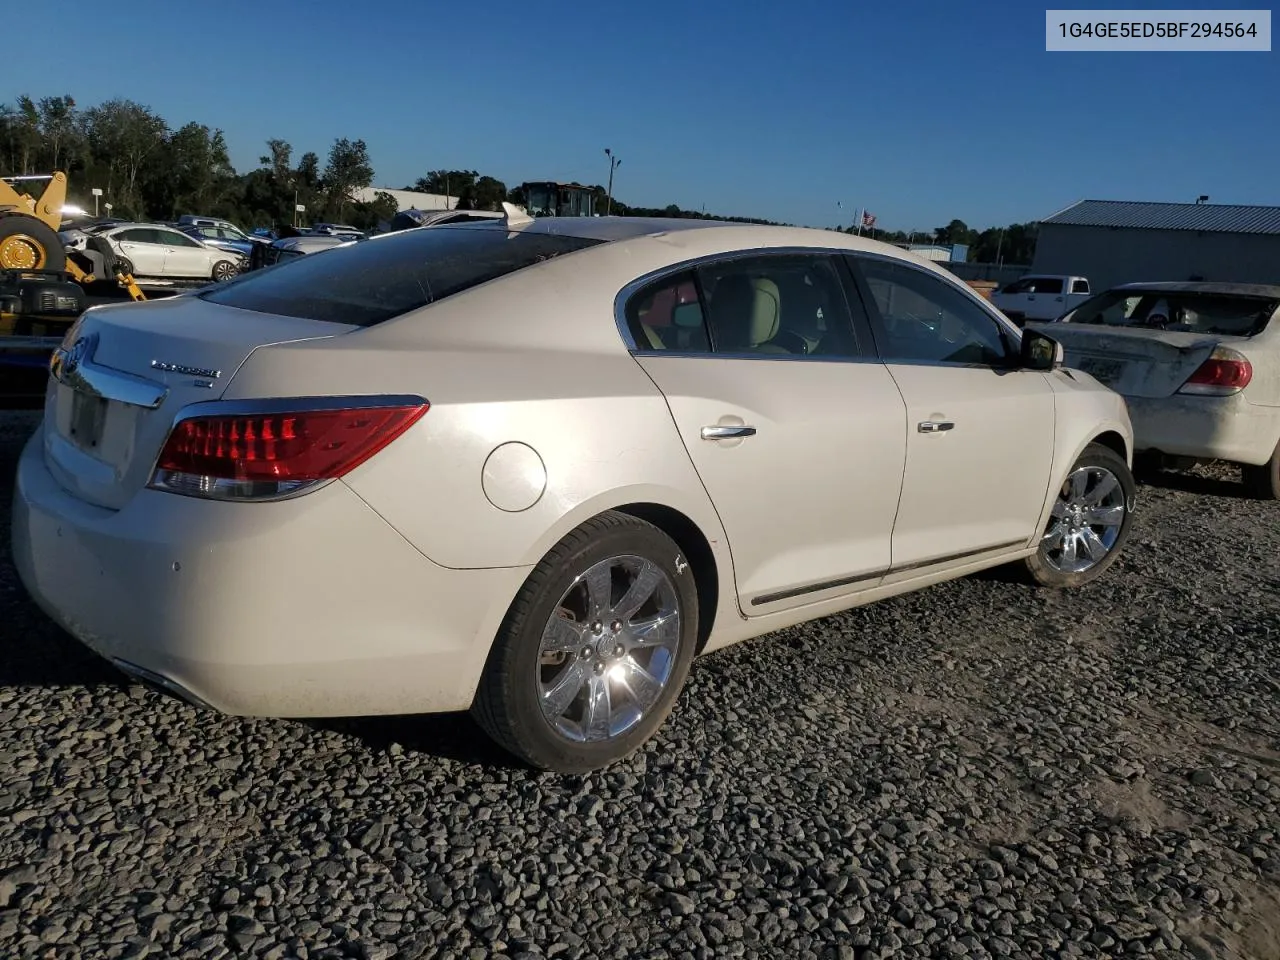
532	468
1199	364
155	251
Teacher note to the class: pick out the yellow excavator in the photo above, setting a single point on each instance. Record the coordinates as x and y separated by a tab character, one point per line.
29	242
43	287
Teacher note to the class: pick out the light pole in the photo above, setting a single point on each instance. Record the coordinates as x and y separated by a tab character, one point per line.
614	164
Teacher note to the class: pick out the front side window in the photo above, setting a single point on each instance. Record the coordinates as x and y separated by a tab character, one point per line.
1046	285
922	318
175	239
369	283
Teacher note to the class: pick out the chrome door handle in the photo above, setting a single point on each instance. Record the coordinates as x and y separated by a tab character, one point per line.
724	432
935	426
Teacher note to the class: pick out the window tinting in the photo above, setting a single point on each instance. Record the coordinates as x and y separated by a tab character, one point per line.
666	315
1079	286
924	318
772	305
778	304
371	282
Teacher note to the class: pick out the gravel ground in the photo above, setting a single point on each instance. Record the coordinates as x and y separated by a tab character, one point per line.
980	769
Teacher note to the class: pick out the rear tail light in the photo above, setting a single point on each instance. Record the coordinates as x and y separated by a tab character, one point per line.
265	456
1224	373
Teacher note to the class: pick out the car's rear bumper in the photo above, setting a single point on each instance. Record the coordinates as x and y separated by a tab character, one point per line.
1206	428
301	608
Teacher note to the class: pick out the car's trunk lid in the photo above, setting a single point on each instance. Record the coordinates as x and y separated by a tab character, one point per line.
113	400
1133	361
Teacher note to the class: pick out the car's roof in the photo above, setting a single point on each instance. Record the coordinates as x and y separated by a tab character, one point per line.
1216	287
713	231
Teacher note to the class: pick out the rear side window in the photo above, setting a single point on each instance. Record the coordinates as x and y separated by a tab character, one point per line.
371	282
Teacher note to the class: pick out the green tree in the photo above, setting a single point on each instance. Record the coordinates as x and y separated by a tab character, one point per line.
348	170
125	135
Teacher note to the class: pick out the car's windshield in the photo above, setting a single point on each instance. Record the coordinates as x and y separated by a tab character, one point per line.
370	282
1187	311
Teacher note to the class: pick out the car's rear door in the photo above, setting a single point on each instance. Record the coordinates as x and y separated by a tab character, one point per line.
140	246
796	430
980	432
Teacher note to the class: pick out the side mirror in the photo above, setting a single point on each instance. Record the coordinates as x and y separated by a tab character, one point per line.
1039	351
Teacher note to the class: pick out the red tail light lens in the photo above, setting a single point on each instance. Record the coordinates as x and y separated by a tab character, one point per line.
268	455
1224	373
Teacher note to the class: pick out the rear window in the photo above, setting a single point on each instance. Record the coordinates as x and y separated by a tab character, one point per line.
374	281
1222	315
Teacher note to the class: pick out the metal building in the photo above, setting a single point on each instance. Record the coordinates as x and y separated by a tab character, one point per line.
1116	241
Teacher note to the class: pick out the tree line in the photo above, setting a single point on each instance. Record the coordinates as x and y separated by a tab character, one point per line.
148	169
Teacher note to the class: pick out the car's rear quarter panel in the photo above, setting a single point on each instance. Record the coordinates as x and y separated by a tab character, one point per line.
506	362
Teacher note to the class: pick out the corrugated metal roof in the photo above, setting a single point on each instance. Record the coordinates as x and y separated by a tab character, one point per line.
1212	217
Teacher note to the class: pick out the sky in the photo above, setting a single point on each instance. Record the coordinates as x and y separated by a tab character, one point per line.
919	112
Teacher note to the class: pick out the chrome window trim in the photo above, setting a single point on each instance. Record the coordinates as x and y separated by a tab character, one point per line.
623	297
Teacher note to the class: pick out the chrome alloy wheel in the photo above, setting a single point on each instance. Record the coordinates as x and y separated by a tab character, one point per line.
1086	520
609	650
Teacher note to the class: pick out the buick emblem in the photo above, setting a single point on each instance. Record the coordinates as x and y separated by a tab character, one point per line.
67	362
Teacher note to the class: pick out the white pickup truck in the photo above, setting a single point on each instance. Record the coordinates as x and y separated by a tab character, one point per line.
1040	297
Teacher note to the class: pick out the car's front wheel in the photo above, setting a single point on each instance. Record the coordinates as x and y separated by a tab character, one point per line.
594	649
224	270
1089	522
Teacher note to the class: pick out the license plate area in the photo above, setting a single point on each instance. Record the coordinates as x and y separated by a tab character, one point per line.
1104	370
88	420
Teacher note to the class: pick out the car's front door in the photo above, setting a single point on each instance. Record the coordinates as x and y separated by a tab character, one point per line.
980	431
185	257
796	431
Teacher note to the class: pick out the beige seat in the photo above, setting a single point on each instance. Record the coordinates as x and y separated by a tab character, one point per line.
746	314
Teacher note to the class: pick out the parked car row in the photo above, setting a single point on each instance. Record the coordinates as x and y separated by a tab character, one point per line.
154	251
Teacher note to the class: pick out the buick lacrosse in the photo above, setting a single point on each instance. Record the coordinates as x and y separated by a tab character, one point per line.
531	468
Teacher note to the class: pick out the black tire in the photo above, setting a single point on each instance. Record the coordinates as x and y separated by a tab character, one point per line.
507	702
123	265
1040	565
224	270
40	241
1263	481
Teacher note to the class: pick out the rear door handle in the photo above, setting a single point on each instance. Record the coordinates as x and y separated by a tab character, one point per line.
935	426
725	432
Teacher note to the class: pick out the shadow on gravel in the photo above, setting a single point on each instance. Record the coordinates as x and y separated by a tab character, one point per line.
1197	484
49	658
445	736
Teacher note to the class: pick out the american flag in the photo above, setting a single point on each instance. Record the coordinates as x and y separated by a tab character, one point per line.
868	219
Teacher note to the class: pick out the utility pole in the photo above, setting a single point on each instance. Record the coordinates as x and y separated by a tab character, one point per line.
614	164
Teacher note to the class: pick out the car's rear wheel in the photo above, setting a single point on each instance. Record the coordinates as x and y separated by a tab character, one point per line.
595	648
1089	522
124	265
1263	481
